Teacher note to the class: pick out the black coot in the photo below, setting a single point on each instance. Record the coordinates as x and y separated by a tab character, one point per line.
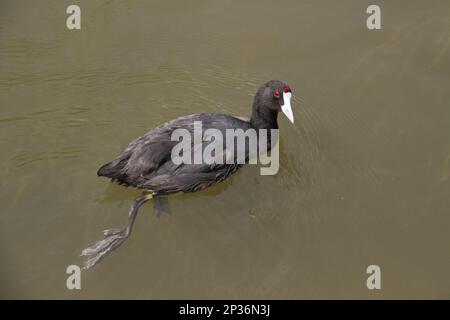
146	162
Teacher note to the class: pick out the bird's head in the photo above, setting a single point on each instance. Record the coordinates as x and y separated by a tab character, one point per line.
275	95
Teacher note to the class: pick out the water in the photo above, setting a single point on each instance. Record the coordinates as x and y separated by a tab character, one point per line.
364	171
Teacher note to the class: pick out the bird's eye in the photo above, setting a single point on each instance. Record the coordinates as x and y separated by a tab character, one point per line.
286	90
276	94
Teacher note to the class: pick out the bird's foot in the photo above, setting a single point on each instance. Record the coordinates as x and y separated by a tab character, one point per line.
113	239
161	205
111	232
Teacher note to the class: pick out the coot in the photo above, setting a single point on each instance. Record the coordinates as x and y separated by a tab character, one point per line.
146	162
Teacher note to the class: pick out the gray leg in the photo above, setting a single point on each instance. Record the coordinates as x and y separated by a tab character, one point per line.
161	205
113	237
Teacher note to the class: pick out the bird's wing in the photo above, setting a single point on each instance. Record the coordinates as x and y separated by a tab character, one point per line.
149	156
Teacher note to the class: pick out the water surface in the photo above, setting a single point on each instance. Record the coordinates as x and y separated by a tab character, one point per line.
364	171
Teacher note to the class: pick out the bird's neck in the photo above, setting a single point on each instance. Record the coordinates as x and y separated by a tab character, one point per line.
263	118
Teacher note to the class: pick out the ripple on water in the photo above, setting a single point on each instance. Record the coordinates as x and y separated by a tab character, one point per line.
24	158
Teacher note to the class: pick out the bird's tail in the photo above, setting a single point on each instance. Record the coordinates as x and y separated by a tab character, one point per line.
114	170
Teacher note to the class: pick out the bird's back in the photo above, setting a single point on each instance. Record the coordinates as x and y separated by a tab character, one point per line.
146	161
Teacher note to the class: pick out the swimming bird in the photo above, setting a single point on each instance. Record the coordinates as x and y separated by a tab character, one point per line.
146	163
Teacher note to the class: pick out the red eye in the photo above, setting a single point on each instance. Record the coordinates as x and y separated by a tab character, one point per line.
276	94
286	90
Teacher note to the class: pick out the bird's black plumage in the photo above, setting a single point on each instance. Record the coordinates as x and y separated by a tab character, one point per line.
146	162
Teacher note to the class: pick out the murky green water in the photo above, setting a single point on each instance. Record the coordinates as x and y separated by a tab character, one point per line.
364	174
